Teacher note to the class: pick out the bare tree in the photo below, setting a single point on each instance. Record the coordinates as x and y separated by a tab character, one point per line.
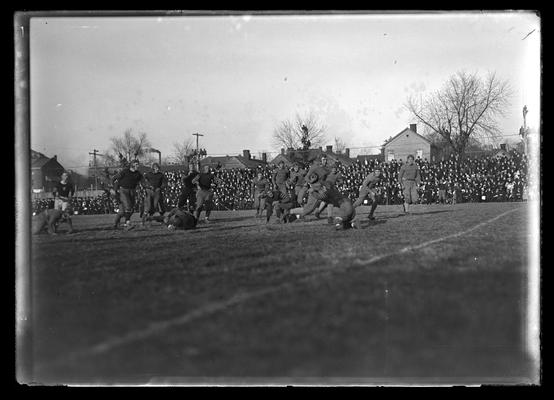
340	145
130	146
182	151
466	107
304	131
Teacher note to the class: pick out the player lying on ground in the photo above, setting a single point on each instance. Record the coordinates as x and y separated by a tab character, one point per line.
180	219
48	220
281	203
328	193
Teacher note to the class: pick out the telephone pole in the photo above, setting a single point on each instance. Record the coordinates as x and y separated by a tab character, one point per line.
94	154
197	154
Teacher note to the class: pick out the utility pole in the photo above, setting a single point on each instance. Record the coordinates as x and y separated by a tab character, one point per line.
94	154
197	154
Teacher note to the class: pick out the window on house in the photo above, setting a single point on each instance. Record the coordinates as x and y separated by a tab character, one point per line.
419	154
390	155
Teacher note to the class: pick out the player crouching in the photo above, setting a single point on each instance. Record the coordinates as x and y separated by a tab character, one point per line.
281	203
48	220
180	219
328	193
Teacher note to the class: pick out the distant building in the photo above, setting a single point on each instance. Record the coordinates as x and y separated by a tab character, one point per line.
409	142
45	172
291	156
244	161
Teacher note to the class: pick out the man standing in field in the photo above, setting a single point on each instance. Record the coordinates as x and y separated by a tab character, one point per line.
188	194
280	177
153	201
259	190
369	189
63	193
410	179
204	196
125	183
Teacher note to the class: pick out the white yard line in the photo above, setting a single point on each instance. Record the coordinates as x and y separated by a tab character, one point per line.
159	327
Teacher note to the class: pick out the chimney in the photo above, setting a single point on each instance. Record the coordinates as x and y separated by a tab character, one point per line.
329	149
55	157
320	148
282	151
264	157
246	154
413	127
347	152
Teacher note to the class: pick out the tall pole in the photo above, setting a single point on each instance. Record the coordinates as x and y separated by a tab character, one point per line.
94	154
197	155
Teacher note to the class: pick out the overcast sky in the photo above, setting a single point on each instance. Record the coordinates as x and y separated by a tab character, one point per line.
234	78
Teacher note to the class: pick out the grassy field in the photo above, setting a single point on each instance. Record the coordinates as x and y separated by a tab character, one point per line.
438	296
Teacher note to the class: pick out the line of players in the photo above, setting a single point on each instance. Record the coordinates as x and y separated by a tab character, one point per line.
291	195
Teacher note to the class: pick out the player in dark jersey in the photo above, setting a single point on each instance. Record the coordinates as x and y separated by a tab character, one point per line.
187	198
205	181
153	183
259	190
369	189
180	219
63	193
125	183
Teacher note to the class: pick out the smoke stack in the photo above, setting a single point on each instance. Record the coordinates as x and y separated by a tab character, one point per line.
282	151
246	154
347	152
413	127
329	149
264	157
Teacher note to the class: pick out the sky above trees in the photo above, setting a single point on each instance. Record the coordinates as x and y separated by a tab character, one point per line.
236	78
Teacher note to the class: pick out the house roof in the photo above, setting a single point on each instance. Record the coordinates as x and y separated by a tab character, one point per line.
404	131
39	162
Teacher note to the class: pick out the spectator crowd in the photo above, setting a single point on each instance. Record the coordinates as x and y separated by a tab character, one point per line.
487	179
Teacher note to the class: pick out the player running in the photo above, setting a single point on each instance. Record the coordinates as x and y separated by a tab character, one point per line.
125	183
368	189
205	181
188	192
63	192
154	200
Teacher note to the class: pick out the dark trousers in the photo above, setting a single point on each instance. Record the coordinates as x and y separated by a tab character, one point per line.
187	194
127	199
